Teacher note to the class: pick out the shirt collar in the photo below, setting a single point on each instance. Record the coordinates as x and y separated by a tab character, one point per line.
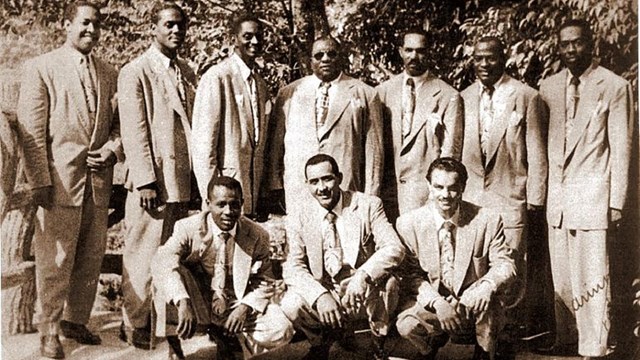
583	77
316	80
216	231
76	55
337	209
417	80
455	219
245	71
159	57
499	84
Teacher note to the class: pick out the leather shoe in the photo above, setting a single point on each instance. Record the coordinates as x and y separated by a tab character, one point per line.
51	347
79	333
140	337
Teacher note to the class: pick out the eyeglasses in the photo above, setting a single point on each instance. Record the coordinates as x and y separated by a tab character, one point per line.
332	54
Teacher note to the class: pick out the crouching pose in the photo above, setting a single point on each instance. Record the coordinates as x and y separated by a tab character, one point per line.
457	262
341	251
215	270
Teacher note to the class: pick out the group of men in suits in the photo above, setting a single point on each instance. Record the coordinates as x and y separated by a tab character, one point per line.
386	154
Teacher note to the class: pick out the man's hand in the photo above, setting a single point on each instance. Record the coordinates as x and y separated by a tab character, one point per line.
476	300
218	305
186	319
329	311
615	215
101	159
355	293
149	196
450	320
42	196
235	322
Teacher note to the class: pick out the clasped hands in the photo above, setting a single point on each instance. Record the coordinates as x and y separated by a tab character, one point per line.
453	313
333	314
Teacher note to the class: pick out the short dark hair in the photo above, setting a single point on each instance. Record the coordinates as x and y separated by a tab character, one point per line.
582	24
162	5
449	164
494	40
320	158
224	181
71	10
240	18
414	30
327	38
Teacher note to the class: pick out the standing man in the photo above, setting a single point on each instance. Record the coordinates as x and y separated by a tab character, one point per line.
229	117
457	263
590	134
215	270
327	112
504	148
156	94
341	251
422	121
71	141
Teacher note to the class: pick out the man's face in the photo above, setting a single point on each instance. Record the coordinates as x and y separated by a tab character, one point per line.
325	60
84	31
414	54
170	30
488	62
446	192
575	49
225	206
248	41
323	184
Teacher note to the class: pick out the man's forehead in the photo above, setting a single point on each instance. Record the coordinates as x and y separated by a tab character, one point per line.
414	40
571	33
319	170
325	44
86	12
171	15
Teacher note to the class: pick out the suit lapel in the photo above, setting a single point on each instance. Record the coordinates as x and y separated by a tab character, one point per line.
312	237
429	253
242	256
78	96
337	107
352	228
242	95
472	128
426	104
168	82
465	239
501	119
590	103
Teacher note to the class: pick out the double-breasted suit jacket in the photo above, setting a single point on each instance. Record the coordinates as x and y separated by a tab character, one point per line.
592	174
223	127
352	134
156	126
436	131
369	242
514	172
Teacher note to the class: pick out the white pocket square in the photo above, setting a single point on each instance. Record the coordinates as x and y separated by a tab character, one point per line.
256	267
515	118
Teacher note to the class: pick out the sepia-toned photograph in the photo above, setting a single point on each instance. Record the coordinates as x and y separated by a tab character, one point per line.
319	179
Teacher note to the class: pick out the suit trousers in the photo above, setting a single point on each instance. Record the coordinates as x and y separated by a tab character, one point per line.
69	254
380	302
271	329
421	327
145	232
580	270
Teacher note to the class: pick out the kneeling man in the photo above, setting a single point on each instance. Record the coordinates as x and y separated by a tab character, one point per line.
341	251
457	263
215	269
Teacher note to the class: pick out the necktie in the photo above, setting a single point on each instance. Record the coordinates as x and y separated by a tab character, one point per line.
254	106
573	96
447	253
322	104
218	282
182	92
87	83
408	106
486	117
333	251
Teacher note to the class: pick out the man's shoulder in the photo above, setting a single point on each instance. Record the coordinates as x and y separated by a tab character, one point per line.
49	59
609	77
221	69
414	217
474	215
253	229
136	65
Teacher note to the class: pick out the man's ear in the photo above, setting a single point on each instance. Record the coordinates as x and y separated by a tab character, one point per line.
339	178
66	24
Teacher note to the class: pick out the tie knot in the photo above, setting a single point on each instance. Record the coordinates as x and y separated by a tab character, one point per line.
410	82
489	89
448	226
331	217
324	87
575	81
224	236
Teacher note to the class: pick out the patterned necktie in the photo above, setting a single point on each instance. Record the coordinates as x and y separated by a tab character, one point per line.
253	91
333	251
447	253
486	117
87	83
218	282
180	85
408	106
322	104
573	95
